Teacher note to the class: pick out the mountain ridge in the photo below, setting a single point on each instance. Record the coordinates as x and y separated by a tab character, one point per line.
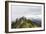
23	22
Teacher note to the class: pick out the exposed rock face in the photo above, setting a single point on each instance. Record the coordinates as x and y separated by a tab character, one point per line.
24	23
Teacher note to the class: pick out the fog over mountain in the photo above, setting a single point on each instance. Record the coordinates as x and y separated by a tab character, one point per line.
35	18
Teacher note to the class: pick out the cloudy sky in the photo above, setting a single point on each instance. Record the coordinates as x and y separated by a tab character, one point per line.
27	11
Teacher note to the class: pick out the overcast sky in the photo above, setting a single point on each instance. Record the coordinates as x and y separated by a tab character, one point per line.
27	11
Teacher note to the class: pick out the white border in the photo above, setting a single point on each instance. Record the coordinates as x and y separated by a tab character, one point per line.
25	29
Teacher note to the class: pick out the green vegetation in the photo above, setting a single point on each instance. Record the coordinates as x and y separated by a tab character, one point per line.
23	23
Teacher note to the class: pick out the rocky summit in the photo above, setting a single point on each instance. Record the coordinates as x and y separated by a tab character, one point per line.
23	22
